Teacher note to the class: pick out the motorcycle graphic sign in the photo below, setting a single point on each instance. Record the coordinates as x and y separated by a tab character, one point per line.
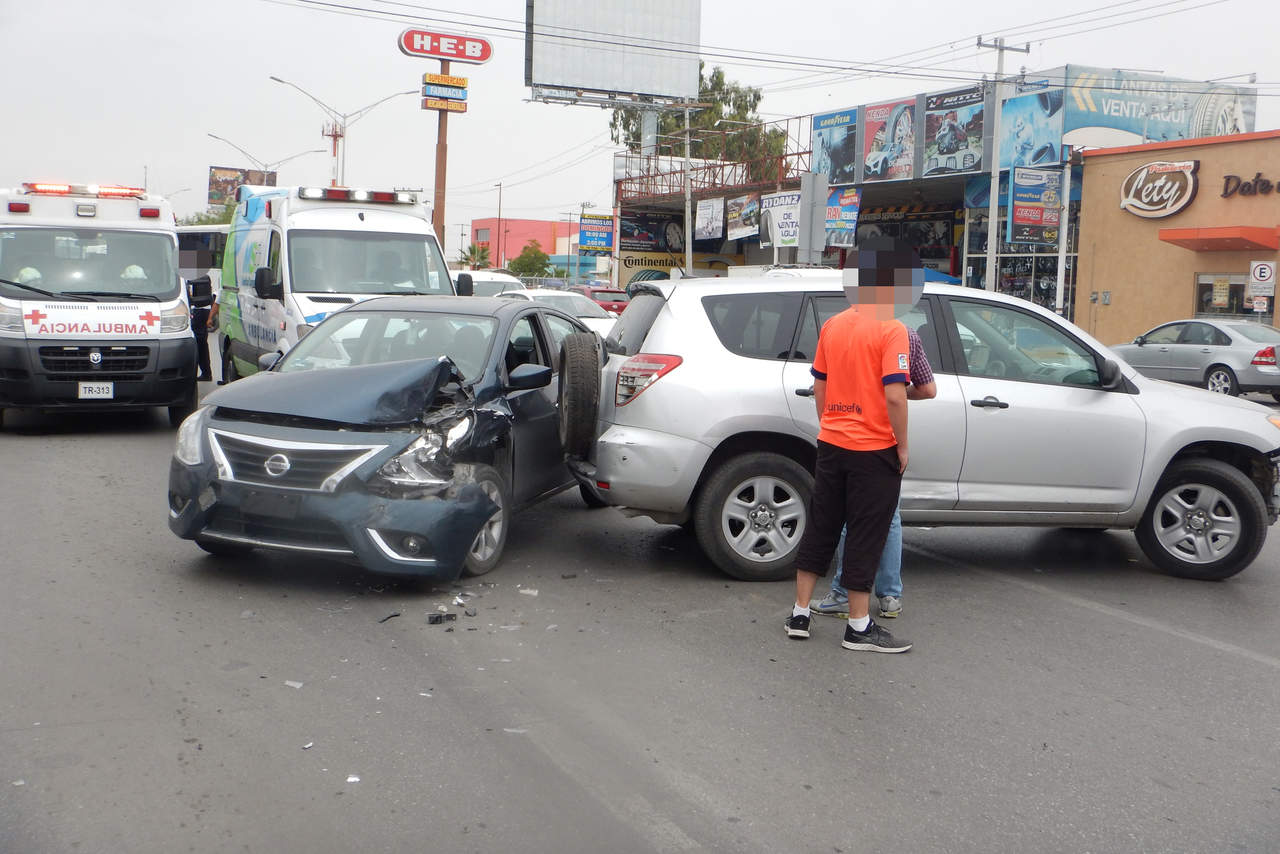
834	144
953	131
890	141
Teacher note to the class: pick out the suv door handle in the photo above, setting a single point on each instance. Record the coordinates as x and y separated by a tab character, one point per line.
990	402
804	392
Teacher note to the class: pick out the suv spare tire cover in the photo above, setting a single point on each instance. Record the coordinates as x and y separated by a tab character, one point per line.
579	394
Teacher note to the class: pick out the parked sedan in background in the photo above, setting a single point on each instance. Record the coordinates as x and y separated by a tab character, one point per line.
1224	356
400	433
611	300
588	311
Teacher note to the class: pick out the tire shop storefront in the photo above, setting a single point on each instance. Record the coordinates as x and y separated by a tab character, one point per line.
1174	230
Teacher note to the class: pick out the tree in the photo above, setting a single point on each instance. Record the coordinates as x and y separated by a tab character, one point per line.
475	257
531	261
214	215
728	129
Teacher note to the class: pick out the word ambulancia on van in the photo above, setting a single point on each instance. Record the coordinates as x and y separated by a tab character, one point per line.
93	312
294	255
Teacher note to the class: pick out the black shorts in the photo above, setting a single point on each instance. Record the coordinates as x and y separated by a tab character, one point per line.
858	489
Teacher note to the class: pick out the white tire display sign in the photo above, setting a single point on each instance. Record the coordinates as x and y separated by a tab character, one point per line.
1262	278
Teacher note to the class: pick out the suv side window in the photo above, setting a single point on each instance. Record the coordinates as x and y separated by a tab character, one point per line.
758	326
817	311
1015	345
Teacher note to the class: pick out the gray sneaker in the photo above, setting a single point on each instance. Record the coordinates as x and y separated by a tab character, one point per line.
832	605
890	606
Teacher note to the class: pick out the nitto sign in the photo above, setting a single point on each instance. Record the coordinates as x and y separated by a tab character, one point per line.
441	46
1159	189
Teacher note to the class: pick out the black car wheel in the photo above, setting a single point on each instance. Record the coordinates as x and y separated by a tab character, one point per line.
229	374
1221	380
1206	520
751	513
589	498
579	393
486	549
179	412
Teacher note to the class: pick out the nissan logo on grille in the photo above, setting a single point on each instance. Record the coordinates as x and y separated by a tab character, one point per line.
276	465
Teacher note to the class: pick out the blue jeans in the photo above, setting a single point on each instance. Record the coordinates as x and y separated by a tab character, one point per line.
888	574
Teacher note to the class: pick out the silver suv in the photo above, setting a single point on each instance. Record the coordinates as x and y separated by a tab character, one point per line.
706	419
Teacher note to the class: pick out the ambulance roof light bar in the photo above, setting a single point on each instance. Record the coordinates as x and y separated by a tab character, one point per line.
346	194
102	191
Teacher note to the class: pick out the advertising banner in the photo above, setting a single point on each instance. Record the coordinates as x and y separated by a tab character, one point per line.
1035	210
742	216
780	220
708	223
890	141
834	145
595	234
842	216
953	124
1108	107
223	181
651	233
646	266
930	232
1031	129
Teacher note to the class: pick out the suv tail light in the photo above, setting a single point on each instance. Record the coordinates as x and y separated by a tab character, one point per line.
641	371
1265	356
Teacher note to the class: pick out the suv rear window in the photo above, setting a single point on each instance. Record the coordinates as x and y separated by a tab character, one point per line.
630	330
758	326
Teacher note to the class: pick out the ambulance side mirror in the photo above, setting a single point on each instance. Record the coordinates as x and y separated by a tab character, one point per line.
201	290
265	284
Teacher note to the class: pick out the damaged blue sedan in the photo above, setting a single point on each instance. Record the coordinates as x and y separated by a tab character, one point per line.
400	433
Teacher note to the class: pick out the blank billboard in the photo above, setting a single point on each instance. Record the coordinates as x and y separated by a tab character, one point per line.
614	46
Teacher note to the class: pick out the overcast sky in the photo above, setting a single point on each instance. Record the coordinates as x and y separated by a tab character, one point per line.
112	90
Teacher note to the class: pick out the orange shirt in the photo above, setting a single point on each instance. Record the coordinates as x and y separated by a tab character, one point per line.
858	356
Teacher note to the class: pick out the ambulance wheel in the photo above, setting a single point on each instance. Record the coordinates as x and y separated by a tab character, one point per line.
229	374
179	412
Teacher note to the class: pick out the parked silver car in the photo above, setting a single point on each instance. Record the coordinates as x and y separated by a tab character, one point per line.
1226	356
706	419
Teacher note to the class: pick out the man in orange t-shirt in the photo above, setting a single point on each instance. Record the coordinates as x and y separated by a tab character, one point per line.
860	372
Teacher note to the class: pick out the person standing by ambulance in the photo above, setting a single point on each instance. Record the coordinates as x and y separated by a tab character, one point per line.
861	370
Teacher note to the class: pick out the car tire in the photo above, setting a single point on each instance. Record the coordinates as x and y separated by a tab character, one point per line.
722	508
179	412
1215	113
1275	395
1176	531
589	498
1221	380
229	374
579	394
221	549
486	549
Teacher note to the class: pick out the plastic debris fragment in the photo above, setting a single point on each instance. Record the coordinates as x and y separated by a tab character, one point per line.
470	612
514	730
435	619
529	591
568	575
19	782
308	745
292	684
389	616
352	778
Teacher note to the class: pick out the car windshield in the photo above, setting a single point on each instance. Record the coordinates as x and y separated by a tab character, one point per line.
350	338
574	304
493	287
1258	332
78	260
609	296
357	262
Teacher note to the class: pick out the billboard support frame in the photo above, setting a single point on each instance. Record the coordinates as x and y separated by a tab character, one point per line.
993	209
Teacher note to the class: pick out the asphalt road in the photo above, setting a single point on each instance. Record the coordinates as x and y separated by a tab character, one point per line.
1062	696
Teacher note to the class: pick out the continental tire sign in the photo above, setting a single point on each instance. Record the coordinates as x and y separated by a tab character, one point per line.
1160	189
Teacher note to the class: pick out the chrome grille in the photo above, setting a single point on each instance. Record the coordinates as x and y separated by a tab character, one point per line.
311	466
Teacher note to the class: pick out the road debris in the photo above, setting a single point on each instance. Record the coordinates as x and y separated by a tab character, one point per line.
529	591
470	612
514	730
292	684
308	745
353	778
568	575
389	616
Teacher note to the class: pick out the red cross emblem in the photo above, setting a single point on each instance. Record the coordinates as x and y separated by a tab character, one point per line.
148	318
35	316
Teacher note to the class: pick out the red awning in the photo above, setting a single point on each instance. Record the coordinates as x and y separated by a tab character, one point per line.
1227	238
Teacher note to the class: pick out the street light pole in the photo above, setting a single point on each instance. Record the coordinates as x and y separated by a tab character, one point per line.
262	166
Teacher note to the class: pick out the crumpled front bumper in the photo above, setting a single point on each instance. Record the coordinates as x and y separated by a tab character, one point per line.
351	523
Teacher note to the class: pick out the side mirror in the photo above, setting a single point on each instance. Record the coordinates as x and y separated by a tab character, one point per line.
1110	375
464	286
267	361
265	284
529	376
201	290
1140	340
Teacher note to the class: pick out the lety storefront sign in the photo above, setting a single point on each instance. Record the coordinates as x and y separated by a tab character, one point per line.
1035	210
452	48
1159	189
780	220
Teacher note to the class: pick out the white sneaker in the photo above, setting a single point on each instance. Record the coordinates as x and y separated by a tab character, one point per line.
890	606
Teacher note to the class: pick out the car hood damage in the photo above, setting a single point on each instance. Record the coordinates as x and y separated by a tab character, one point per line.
381	395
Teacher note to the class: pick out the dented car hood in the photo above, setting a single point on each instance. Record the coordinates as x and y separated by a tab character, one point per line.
382	394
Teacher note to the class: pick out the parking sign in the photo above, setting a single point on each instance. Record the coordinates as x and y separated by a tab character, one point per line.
1262	278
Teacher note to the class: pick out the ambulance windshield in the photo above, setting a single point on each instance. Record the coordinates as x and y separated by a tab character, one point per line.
104	264
347	262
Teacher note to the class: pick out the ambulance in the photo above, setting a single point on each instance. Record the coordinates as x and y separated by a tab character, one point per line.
294	255
93	312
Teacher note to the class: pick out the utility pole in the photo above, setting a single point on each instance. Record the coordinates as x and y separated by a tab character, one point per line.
993	206
688	202
498	237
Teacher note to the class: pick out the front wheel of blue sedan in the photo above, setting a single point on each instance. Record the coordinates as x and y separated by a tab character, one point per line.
486	549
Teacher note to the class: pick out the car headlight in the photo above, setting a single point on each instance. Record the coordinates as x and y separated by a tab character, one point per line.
175	319
189	449
10	319
412	466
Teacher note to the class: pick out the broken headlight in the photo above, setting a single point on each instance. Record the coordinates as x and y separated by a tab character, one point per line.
189	446
414	465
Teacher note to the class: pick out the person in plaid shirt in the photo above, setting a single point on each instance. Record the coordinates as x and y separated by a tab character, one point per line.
888	584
